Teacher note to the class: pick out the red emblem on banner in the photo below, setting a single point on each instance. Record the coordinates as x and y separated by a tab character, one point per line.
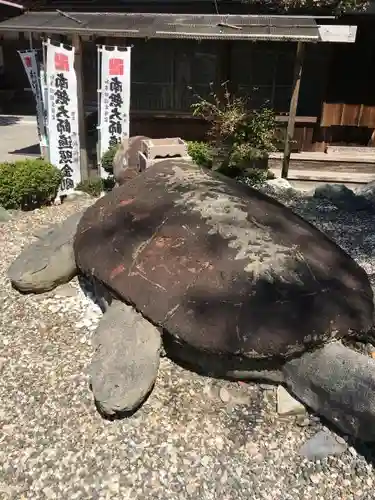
28	62
116	67
61	62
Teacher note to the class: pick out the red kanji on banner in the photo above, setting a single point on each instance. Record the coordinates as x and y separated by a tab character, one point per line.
28	62
116	67
61	62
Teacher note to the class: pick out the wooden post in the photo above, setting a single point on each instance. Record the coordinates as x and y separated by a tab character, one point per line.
293	108
77	44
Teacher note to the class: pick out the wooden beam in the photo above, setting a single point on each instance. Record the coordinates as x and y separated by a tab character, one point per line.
293	108
77	44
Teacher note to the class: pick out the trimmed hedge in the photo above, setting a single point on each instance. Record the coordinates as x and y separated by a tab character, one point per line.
28	184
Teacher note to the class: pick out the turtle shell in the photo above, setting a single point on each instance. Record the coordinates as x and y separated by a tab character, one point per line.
220	266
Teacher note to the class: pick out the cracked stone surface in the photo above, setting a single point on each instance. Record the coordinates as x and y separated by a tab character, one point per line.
194	437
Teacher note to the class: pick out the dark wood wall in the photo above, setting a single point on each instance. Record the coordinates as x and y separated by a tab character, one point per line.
163	72
168	76
337	97
348	108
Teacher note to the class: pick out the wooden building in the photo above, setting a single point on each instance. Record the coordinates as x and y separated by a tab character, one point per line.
335	105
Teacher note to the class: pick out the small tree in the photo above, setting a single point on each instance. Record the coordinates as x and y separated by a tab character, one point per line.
240	139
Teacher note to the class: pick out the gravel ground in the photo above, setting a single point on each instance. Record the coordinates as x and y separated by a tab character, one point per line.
194	438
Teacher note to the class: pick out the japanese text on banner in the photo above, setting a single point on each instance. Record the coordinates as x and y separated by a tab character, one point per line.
32	68
62	115
114	98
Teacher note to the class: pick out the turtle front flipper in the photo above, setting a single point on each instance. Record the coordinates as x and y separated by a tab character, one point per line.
338	383
126	360
47	262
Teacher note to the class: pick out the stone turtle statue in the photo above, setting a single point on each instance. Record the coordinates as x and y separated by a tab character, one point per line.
220	278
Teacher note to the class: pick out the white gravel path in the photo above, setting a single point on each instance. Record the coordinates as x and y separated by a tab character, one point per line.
195	438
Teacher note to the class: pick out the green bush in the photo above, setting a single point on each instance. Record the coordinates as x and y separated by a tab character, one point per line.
239	138
93	187
108	157
28	184
7	185
96	185
201	153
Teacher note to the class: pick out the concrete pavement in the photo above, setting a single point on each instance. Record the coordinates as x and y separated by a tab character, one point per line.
18	138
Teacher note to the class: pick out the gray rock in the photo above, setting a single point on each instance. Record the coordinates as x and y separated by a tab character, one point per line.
126	360
5	216
339	384
303	421
66	290
286	404
367	191
278	187
234	395
341	196
125	162
322	445
224	395
278	184
47	262
76	195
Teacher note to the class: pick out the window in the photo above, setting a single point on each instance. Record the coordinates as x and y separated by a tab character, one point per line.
163	71
263	72
152	76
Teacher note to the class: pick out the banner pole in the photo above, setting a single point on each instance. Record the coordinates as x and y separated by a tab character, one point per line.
99	91
47	151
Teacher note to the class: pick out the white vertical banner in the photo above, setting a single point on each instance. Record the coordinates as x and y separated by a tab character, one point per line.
63	132
43	85
32	68
114	103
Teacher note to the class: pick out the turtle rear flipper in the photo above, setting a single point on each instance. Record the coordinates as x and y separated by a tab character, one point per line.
126	360
338	384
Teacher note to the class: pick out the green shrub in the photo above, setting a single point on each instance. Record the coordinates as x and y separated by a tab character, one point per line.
244	154
201	153
239	138
108	157
7	185
93	187
109	183
28	184
96	185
